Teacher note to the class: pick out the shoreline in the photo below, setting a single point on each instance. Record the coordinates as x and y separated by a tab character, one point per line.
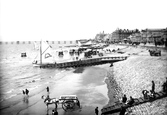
87	83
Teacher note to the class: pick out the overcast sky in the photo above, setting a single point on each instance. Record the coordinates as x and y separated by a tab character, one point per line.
77	19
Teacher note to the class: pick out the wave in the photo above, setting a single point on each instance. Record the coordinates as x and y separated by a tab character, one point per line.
34	87
29	76
33	81
10	91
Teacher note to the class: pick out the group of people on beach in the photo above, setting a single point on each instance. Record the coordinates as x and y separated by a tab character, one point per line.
145	94
25	92
25	99
152	95
131	101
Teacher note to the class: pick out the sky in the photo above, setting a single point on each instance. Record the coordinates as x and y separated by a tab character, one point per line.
59	20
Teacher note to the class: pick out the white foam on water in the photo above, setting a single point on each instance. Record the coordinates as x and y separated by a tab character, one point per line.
47	83
10	91
33	87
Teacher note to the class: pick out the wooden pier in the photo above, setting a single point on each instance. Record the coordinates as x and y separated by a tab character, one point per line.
117	108
85	62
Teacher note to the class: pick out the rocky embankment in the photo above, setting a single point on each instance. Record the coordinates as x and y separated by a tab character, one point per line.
134	75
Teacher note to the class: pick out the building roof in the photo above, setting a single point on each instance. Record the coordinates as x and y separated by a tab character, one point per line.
156	30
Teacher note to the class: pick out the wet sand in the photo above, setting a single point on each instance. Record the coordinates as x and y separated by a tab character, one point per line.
87	83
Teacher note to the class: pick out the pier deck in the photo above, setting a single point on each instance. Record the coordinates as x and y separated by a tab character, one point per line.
86	62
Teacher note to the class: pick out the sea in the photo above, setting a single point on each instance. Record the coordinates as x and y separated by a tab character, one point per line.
17	73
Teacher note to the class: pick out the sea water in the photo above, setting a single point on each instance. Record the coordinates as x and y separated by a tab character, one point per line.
17	73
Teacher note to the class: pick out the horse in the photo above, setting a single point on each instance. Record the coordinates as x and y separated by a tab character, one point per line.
48	101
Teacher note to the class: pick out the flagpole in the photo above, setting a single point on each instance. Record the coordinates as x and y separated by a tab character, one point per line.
41	52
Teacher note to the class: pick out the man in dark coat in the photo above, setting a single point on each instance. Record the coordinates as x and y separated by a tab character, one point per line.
131	101
47	89
27	91
153	87
96	111
124	99
23	92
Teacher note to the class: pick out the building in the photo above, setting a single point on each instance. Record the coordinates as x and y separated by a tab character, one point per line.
101	37
157	36
121	34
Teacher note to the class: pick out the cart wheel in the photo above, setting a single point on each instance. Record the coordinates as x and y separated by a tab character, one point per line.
68	105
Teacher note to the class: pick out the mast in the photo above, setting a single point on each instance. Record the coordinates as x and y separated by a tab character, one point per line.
40	52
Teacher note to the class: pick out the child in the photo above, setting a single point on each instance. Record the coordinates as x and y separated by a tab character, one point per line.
23	92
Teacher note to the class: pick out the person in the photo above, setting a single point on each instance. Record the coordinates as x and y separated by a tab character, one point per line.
27	91
124	99
145	94
47	98
123	110
96	111
164	86
47	89
54	112
78	103
131	101
153	87
23	92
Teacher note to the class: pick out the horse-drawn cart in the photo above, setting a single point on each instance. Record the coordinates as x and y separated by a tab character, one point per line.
69	102
155	52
